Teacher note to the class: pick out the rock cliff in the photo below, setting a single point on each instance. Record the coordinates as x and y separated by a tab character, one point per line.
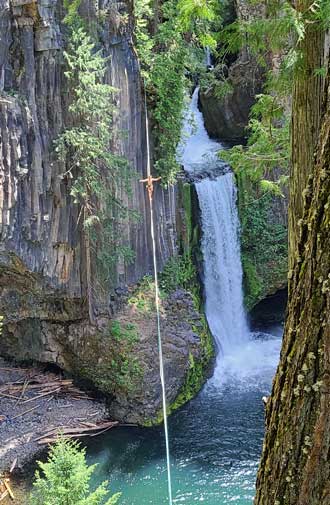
42	254
38	219
226	117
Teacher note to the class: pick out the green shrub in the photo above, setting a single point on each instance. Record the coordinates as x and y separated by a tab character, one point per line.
263	243
179	272
65	479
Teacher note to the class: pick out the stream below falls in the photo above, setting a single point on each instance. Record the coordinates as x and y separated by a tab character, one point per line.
216	439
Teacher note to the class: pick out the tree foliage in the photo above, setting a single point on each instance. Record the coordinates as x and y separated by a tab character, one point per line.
268	146
65	477
280	30
170	41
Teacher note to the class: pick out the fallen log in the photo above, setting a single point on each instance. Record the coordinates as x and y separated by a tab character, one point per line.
8	369
25	412
4	495
75	432
14	387
52	440
12	397
42	395
7	486
25	385
13	465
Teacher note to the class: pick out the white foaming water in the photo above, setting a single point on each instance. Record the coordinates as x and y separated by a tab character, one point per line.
243	359
197	151
208	59
222	262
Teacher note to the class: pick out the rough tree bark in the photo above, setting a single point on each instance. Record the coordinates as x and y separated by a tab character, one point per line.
295	464
306	111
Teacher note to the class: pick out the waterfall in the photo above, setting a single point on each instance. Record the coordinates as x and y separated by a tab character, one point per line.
222	262
197	151
220	234
208	60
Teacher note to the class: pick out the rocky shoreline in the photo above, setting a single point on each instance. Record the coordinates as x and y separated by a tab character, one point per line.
30	414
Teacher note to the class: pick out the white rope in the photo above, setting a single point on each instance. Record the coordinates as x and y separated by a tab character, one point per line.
160	347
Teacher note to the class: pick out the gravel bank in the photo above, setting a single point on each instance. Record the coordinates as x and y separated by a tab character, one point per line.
24	420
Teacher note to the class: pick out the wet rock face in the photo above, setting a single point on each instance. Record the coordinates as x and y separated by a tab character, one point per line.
42	256
226	118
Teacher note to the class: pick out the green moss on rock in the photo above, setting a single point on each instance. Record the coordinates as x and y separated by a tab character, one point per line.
196	376
263	241
198	368
118	368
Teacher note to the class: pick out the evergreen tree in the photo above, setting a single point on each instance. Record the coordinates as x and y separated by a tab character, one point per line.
65	479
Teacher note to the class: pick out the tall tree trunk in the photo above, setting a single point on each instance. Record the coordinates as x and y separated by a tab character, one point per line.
295	464
306	112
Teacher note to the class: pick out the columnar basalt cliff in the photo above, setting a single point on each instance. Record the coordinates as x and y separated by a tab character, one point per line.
38	216
43	286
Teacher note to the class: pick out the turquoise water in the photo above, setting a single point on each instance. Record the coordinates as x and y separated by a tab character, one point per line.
215	440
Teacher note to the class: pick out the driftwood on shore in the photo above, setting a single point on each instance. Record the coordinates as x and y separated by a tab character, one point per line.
82	430
37	407
5	489
39	386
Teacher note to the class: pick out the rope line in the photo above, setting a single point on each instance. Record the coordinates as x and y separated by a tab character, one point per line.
161	363
149	186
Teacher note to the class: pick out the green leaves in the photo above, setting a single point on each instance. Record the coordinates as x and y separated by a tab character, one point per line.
179	272
263	240
198	17
270	187
169	40
268	147
65	479
72	18
191	11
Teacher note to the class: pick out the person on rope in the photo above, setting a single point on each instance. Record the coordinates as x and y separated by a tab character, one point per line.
150	184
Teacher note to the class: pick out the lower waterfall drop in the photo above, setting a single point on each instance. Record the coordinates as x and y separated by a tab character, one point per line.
223	273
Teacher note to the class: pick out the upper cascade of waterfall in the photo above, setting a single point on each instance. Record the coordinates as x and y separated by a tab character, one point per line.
208	59
197	151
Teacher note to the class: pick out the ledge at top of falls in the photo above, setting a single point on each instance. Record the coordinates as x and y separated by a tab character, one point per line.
211	173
